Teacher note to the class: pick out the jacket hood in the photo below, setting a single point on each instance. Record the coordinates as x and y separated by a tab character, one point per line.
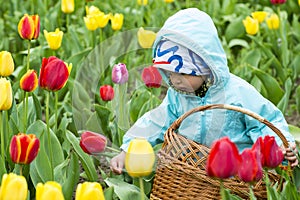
196	31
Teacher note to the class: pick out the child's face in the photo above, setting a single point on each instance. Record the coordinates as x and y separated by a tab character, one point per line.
187	83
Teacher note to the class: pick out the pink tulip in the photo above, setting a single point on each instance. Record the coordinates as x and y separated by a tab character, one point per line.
223	160
92	143
119	74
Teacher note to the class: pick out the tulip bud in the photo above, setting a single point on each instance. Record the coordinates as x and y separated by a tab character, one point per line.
54	38
54	74
139	158
223	160
151	77
92	143
107	93
119	74
6	94
168	1
117	21
6	63
89	190
146	38
13	187
102	19
259	15
142	2
29	27
277	1
273	22
24	148
67	6
251	25
29	81
90	22
49	190
250	169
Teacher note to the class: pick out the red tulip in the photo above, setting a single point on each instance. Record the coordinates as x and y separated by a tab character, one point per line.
250	168
24	148
151	77
272	154
278	1
29	81
223	160
119	74
29	27
92	143
54	74
107	93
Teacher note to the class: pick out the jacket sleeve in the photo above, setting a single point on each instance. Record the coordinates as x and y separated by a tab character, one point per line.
153	124
270	112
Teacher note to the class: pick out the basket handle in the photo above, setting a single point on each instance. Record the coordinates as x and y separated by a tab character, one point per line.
177	122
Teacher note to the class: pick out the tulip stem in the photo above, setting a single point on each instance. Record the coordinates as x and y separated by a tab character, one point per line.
267	181
28	55
25	111
223	196
112	149
56	115
48	133
2	137
142	188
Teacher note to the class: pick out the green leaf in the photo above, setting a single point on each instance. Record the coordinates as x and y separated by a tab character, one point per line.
108	193
72	176
84	158
252	58
297	98
238	42
123	190
235	29
104	114
295	131
284	102
2	168
275	92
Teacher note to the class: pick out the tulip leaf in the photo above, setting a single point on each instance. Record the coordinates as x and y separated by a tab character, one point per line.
85	159
72	176
252	58
235	29
108	193
2	168
104	114
124	190
297	98
295	131
274	91
284	102
238	42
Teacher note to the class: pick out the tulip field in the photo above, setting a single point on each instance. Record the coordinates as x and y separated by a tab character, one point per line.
75	75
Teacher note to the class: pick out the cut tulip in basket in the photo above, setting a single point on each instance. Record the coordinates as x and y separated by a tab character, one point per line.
189	170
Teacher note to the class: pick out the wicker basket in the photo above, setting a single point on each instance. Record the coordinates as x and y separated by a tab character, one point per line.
180	172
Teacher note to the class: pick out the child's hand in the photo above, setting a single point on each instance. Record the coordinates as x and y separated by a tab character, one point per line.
290	154
117	163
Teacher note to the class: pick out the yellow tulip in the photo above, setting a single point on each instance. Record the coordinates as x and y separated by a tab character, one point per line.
273	22
67	6
93	10
89	190
54	38
139	158
49	190
90	22
117	21
169	1
146	38
251	25
6	63
6	94
299	2
102	19
13	187
259	15
142	2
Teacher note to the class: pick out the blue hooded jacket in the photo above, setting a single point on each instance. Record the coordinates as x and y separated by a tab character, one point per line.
196	31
